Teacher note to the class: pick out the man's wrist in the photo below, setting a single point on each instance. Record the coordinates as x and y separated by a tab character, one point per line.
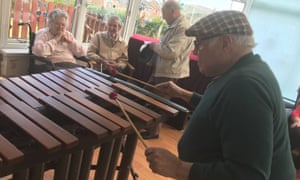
183	170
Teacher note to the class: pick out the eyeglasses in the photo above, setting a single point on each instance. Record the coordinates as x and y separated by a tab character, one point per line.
201	43
59	25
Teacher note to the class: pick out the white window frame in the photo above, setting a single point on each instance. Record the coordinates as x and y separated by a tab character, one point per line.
129	25
131	15
4	21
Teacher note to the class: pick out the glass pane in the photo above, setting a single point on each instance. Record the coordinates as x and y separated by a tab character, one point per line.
98	11
34	12
151	24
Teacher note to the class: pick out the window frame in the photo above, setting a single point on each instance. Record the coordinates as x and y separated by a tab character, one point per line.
129	24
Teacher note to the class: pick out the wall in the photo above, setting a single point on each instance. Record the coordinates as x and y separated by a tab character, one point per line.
276	26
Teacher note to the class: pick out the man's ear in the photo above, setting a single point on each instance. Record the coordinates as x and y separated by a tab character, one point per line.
227	41
120	25
225	44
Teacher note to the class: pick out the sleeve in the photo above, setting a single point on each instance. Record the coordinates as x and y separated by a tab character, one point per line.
76	47
43	46
94	47
245	126
173	47
122	61
195	99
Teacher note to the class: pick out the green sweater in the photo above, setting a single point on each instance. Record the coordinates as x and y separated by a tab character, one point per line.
239	130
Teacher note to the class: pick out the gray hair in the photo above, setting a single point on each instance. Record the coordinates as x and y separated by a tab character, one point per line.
56	13
240	40
114	17
244	41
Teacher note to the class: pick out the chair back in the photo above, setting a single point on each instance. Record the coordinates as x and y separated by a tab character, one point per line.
31	35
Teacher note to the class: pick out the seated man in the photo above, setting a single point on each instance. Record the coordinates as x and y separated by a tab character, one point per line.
108	48
56	43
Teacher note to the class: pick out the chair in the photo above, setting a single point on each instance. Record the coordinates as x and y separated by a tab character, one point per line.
39	64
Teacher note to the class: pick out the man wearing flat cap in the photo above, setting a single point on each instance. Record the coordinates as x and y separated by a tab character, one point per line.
238	131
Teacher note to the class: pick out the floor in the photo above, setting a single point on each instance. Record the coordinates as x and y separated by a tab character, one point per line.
168	139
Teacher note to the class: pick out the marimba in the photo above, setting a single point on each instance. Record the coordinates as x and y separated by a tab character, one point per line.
59	117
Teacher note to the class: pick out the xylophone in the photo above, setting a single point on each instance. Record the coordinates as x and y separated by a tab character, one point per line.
58	118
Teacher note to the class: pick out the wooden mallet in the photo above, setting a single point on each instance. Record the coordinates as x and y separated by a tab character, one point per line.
114	96
114	72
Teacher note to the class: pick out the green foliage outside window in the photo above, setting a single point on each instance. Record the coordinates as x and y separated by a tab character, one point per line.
152	28
65	2
106	13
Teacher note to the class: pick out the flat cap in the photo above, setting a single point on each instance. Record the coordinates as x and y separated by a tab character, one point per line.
220	23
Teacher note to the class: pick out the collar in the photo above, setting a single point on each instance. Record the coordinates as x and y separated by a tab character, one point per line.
119	38
176	21
244	58
243	61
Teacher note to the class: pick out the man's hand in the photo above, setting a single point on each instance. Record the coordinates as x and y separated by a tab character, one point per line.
165	163
63	36
295	122
151	45
59	36
68	37
162	161
110	64
170	89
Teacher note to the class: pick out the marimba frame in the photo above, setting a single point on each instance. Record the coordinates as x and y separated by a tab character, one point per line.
74	98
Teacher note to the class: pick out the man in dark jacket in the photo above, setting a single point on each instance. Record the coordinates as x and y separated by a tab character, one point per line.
239	130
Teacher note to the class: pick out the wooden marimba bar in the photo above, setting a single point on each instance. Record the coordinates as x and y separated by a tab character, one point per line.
57	119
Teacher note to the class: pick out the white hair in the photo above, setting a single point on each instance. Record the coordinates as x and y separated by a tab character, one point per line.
244	41
240	40
117	18
56	13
